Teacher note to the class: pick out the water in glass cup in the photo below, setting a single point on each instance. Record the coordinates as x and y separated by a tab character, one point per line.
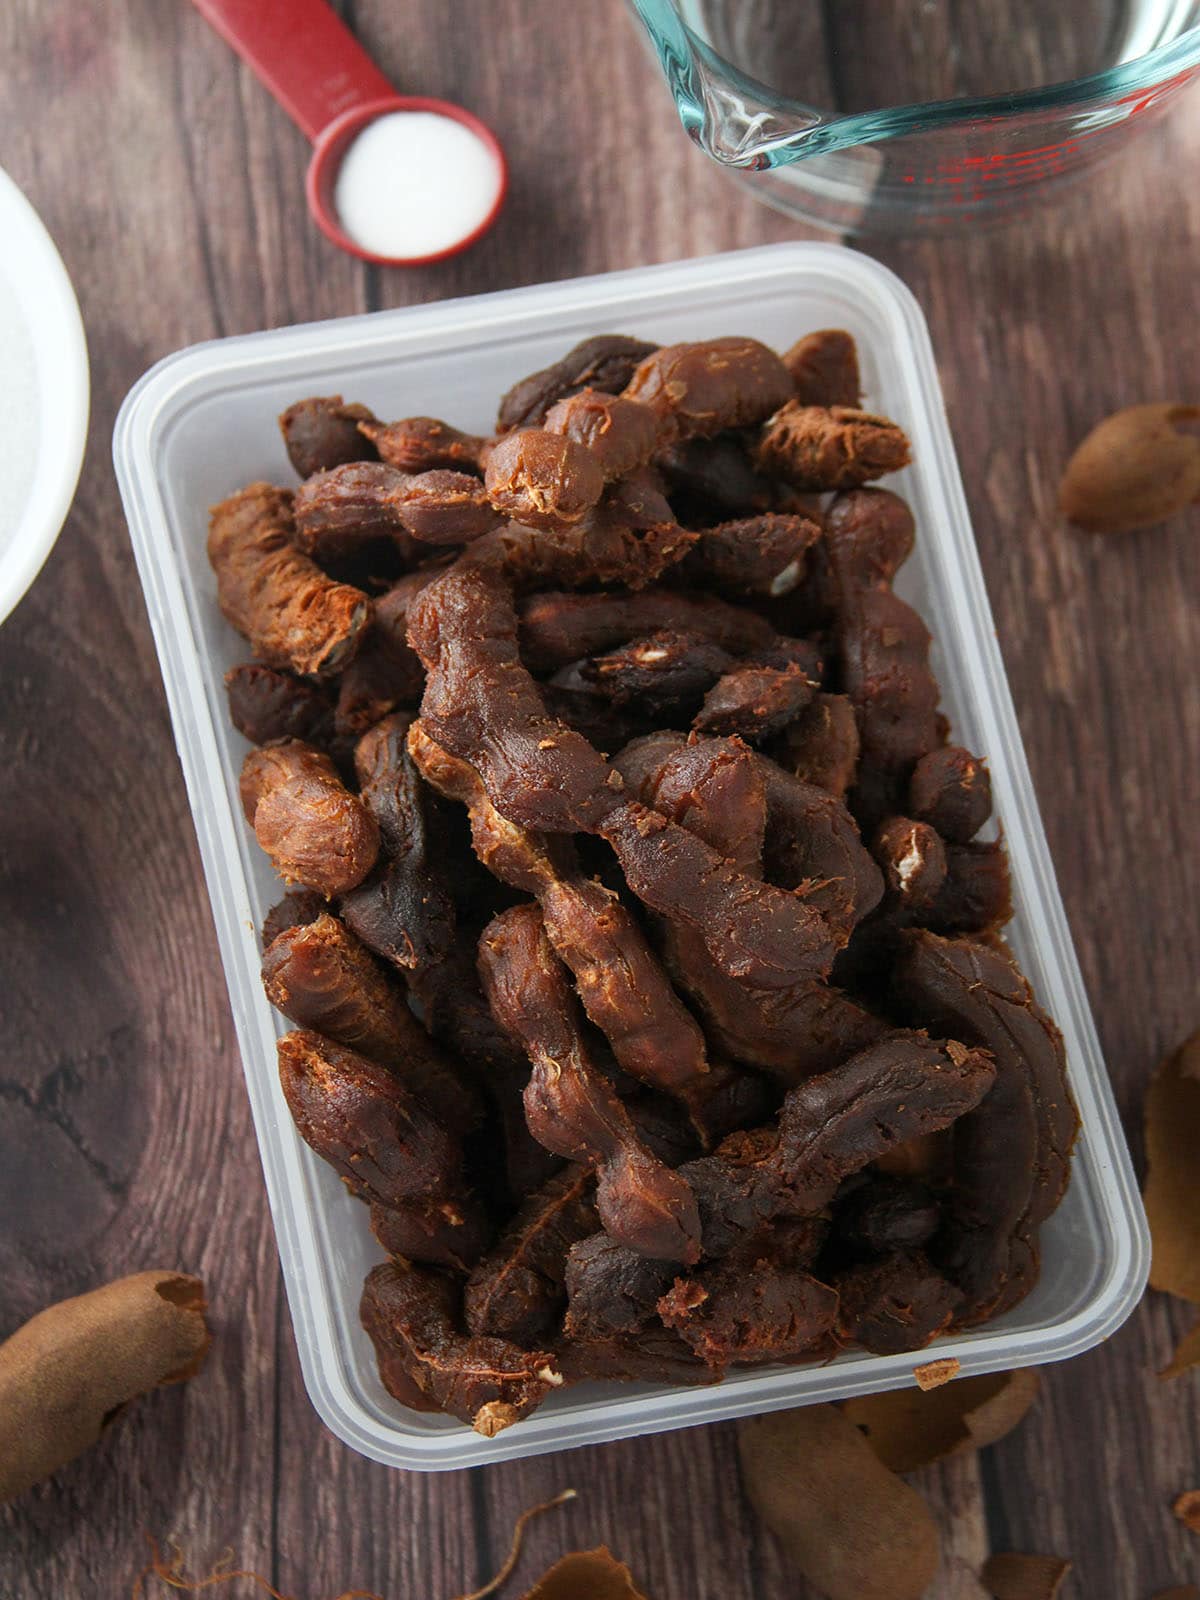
861	55
879	115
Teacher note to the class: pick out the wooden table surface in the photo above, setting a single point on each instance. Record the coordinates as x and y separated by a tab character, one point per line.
173	187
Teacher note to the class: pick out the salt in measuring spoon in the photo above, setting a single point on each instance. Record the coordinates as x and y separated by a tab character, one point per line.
322	77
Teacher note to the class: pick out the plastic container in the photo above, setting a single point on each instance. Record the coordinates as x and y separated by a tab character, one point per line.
202	423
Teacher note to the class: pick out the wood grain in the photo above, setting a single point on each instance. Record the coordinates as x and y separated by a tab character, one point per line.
174	189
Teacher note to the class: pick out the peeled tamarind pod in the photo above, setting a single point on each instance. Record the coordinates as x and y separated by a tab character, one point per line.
853	1528
620	434
831	447
420	444
315	831
323	432
544	480
702	388
824	368
295	616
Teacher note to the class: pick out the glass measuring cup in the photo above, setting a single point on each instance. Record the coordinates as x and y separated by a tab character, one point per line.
914	115
303	53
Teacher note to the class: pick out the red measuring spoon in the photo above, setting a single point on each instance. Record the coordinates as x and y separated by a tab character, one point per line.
327	83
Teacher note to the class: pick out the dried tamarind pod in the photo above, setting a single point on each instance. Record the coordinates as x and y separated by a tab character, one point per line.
323	979
293	615
340	511
824	368
385	675
372	687
441	1233
653	1355
481	705
266	705
1136	468
605	726
900	1302
557	629
400	917
913	859
411	914
324	432
1012	1154
421	444
830	447
619	980
983	991
605	362
569	1105
659	673
703	388
640	499
442	506
812	839
542	480
888	1213
618	433
447	990
320	977
821	746
730	796
882	648
766	555
411	1315
376	1134
390	627
976	895
345	509
390	787
611	1290
610	543
713	787
315	831
869	535
293	911
830	1126
518	1290
952	791
710	479
755	702
733	1317
406	912
718	791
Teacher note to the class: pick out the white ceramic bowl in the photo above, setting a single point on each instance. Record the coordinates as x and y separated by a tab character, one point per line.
34	283
202	423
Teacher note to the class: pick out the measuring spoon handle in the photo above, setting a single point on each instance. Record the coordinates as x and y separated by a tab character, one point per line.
303	53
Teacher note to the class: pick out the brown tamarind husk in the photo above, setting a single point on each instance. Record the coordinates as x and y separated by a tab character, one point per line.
852	1527
73	1368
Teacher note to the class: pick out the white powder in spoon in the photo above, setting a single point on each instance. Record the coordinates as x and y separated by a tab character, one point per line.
19	407
413	183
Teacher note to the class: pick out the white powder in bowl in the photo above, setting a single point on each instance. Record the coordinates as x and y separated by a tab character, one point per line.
19	407
413	183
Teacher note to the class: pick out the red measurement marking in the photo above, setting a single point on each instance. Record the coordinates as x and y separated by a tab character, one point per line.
1021	165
